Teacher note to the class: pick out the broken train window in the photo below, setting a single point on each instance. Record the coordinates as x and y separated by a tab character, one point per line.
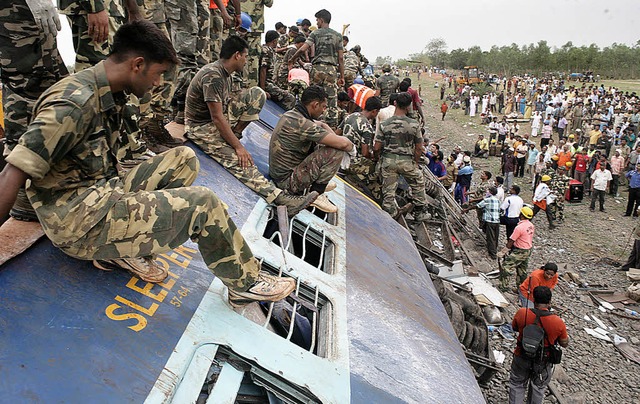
311	245
231	374
304	318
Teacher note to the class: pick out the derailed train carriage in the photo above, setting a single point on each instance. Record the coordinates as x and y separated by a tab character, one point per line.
368	326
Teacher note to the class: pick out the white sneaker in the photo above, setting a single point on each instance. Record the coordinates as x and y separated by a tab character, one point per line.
324	204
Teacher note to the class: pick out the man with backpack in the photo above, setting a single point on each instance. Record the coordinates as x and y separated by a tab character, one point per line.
539	333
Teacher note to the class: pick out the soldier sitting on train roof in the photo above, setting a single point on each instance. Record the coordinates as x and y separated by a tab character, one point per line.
295	163
215	124
90	212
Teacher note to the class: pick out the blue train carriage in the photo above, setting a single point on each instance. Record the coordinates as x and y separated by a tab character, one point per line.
367	327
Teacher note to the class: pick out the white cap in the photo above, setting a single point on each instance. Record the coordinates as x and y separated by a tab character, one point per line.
466	159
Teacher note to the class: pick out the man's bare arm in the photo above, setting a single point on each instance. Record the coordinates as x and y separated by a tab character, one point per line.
298	53
11	179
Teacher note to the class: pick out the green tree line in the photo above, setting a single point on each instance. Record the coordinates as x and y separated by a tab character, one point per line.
617	61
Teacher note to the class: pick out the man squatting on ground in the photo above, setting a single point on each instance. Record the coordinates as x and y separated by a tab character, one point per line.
90	212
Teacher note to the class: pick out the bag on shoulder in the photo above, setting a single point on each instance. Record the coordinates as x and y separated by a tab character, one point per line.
533	337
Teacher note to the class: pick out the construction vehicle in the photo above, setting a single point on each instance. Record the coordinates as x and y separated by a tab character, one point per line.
470	76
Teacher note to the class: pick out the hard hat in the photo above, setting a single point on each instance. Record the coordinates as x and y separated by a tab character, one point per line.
545	178
571	136
527	212
358	80
569	164
246	22
493	141
555	157
386	67
466	159
299	21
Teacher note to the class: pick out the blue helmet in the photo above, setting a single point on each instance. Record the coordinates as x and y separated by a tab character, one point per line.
246	21
358	80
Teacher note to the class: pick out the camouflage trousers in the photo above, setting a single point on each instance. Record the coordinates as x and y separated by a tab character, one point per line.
208	138
189	28
349	76
160	211
325	76
517	260
363	174
88	52
29	64
318	168
158	102
560	208
218	33
281	97
391	167
251	68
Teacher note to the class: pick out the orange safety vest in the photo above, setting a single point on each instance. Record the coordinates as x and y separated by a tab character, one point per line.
213	6
360	94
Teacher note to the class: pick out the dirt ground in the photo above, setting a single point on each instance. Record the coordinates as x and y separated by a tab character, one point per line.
593	371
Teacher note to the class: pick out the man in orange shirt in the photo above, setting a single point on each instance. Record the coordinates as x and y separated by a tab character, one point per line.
544	276
525	374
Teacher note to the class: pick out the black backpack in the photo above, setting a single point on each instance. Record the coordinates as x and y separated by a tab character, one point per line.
533	336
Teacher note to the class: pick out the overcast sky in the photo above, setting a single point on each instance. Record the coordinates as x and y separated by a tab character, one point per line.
399	28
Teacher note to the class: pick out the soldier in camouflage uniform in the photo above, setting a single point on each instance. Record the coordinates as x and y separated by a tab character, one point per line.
304	154
357	127
91	213
387	84
267	74
282	75
326	64
189	29
90	41
519	249
559	185
215	124
221	22
352	68
29	64
255	9
364	62
400	144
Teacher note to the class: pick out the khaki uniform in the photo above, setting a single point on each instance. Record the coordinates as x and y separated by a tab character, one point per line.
326	43
214	84
89	212
29	64
294	165
282	97
255	9
399	135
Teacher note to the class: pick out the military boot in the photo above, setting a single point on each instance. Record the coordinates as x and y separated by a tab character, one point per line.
22	209
420	214
156	135
295	203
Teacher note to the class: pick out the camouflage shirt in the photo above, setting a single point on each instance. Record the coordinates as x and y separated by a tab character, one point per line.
69	152
352	62
399	135
267	59
326	43
358	129
293	139
255	9
115	8
387	84
559	185
211	84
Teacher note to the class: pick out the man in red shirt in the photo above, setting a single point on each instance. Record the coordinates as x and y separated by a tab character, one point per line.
416	102
545	276
519	249
525	374
580	161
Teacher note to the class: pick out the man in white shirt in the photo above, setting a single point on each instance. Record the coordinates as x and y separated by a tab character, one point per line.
511	209
599	184
386	112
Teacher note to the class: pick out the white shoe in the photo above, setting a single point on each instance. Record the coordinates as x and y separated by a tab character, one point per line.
324	204
330	186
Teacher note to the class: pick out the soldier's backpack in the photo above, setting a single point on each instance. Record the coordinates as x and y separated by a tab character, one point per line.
533	336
